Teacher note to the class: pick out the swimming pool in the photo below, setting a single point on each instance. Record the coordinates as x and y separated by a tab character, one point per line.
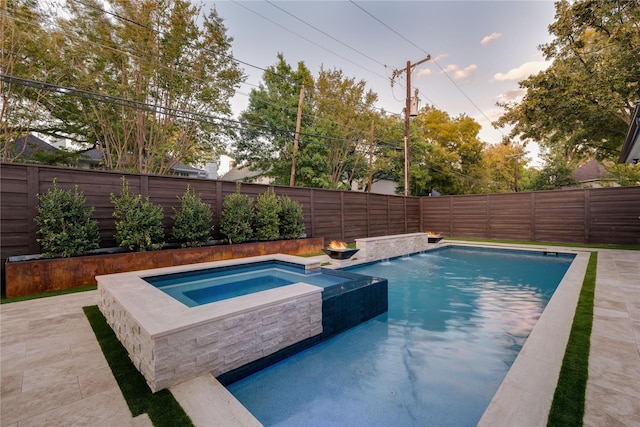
456	322
194	288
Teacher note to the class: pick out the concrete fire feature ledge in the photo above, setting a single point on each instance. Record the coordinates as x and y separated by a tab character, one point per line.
382	247
169	342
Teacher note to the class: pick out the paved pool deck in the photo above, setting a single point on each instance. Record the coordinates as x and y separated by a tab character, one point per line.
52	371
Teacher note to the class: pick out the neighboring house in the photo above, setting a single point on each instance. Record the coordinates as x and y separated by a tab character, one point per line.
383	186
90	159
593	175
630	152
244	174
25	147
181	169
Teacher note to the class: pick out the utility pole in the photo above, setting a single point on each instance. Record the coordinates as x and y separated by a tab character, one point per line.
370	184
296	138
407	115
516	158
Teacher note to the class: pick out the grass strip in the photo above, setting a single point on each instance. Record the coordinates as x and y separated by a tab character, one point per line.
163	409
567	408
49	294
531	242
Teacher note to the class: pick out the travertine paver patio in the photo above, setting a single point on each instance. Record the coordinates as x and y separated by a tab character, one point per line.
53	372
613	389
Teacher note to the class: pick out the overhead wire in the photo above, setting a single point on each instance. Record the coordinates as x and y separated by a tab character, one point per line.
170	111
427	53
133	22
179	113
266	70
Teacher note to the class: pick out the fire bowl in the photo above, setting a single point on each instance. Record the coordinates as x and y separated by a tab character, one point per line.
435	239
340	253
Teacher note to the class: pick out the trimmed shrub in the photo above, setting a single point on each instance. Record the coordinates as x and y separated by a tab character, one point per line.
65	224
290	215
192	220
236	217
138	223
267	221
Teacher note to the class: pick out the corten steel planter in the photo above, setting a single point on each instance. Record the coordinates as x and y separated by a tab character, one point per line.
52	274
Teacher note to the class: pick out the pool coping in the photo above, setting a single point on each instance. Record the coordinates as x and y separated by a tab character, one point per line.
525	395
169	315
522	399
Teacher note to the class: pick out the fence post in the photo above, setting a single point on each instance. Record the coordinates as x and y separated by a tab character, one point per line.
312	212
587	216
532	212
342	216
33	188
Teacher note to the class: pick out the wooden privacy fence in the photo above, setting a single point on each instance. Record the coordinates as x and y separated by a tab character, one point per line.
608	215
599	215
333	215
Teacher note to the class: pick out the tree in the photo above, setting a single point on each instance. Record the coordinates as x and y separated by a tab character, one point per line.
335	121
237	217
138	222
140	81
500	161
265	142
267	218
556	173
582	104
344	110
446	154
624	174
25	50
65	225
192	221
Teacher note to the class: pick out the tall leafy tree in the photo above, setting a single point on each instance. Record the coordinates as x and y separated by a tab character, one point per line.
146	76
335	121
26	50
502	162
344	110
266	140
446	154
582	104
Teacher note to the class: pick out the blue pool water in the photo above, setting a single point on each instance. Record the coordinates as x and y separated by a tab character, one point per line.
204	286
456	322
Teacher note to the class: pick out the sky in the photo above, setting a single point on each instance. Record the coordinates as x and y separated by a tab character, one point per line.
479	50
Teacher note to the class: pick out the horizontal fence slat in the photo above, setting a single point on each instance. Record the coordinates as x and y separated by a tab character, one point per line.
605	215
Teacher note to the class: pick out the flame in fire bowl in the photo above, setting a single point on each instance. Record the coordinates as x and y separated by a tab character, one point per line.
339	250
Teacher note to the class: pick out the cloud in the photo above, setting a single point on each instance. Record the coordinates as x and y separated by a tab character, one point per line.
440	56
522	72
424	72
491	37
512	95
457	73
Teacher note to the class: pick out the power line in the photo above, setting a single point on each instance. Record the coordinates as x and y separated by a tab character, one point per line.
434	60
173	112
330	36
306	39
158	64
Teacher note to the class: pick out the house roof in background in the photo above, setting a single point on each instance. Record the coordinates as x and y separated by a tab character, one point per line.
33	145
630	152
590	171
239	173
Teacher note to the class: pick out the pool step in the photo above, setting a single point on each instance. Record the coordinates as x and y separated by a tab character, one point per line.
208	403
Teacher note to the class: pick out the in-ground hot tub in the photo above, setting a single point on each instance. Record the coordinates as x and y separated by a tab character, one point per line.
170	342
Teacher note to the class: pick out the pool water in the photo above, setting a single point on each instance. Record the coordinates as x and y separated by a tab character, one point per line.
456	322
215	284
